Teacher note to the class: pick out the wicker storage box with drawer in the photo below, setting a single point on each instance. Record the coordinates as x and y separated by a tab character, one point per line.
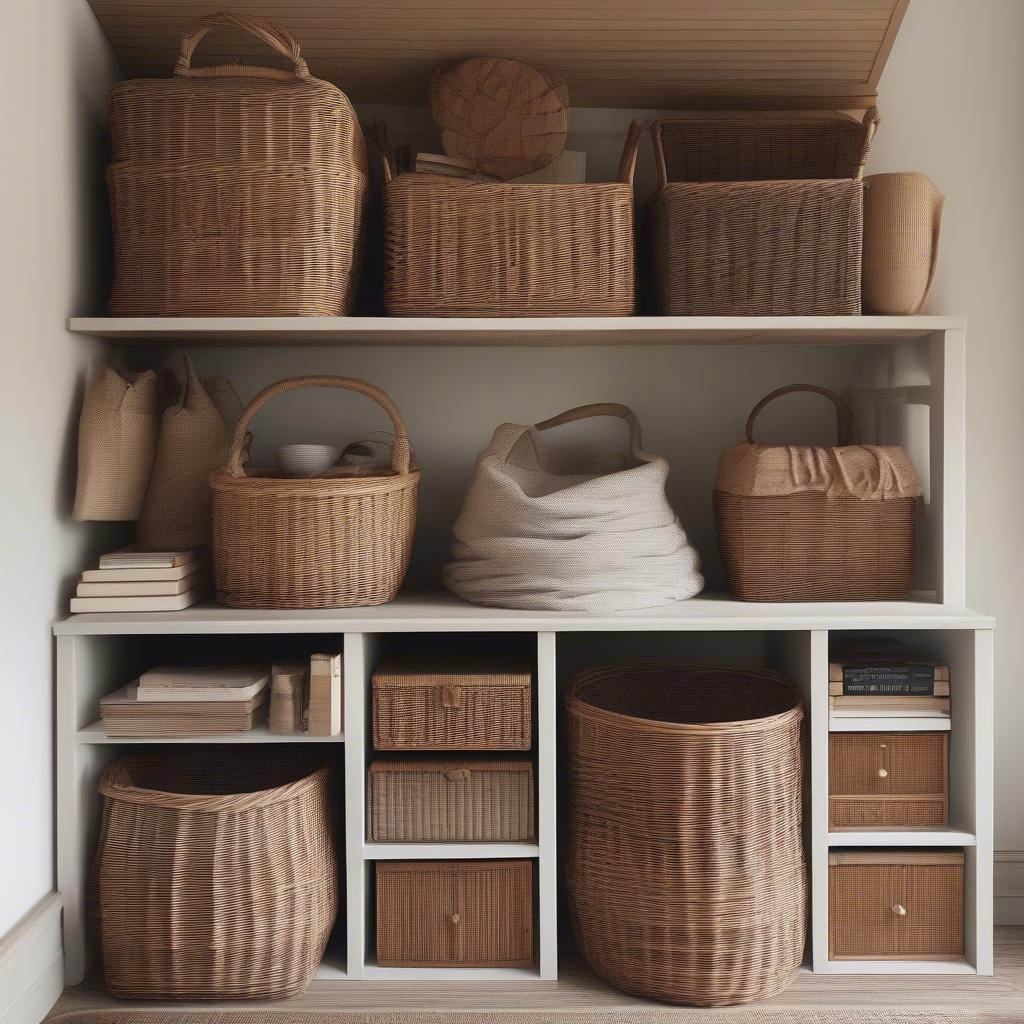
447	801
494	248
455	913
235	189
759	214
888	780
895	904
462	702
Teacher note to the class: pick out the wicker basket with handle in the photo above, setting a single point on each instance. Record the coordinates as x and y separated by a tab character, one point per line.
759	213
214	876
685	865
338	540
472	248
235	189
809	523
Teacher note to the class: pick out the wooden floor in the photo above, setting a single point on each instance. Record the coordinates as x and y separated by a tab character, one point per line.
580	990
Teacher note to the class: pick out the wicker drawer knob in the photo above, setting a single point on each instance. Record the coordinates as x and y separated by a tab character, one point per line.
454	918
458	775
452	697
899	910
882	773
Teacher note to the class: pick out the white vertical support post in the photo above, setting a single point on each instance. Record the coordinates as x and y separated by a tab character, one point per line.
819	798
547	819
358	666
70	827
949	461
984	725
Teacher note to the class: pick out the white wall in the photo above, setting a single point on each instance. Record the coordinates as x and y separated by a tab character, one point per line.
53	77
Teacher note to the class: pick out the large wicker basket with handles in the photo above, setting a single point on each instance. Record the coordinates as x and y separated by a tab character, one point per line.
685	867
759	213
338	540
812	523
235	189
214	877
494	248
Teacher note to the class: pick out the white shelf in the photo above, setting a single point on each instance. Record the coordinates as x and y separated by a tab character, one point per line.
449	851
482	331
95	733
898	967
371	972
438	612
902	837
889	724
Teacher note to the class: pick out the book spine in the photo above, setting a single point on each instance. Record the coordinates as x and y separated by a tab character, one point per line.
889	680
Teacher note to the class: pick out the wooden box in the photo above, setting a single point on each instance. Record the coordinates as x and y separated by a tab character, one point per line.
448	801
895	904
455	913
888	780
461	702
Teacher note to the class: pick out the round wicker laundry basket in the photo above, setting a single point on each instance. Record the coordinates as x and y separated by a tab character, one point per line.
685	865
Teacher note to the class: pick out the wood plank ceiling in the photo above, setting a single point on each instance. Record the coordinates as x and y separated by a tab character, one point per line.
613	53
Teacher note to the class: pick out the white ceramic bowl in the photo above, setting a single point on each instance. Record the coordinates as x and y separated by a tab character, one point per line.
306	459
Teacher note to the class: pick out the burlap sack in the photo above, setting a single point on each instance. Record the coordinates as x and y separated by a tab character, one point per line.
585	530
194	437
117	435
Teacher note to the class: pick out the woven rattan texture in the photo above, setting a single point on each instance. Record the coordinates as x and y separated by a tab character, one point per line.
235	190
469	248
214	877
339	540
451	801
685	866
455	913
863	919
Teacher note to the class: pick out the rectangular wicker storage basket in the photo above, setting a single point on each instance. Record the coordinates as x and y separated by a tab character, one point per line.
895	904
493	248
461	702
455	913
888	780
451	801
235	189
759	214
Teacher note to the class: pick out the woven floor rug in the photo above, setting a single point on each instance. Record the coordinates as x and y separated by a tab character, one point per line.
667	1016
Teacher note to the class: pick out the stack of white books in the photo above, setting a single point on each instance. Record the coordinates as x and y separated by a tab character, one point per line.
144	581
196	701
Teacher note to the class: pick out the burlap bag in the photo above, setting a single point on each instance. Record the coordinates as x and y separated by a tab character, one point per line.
583	530
194	438
117	436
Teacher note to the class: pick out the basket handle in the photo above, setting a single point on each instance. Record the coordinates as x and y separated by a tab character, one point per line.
627	162
846	425
387	156
871	119
659	154
583	412
400	454
274	36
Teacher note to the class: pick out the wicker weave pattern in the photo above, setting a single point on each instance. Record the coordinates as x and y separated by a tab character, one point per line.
464	801
863	899
455	913
467	248
214	878
339	540
235	189
685	864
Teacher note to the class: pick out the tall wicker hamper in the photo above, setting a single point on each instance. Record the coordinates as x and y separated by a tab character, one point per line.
759	214
236	189
895	904
459	913
482	248
338	540
809	523
450	801
214	876
685	864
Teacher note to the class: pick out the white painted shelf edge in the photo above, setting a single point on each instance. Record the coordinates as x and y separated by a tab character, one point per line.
898	967
449	851
890	724
95	733
902	837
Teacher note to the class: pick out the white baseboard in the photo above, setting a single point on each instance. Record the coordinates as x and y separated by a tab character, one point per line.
1009	887
32	964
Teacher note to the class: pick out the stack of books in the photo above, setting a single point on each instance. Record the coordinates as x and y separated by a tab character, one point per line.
144	581
886	678
176	702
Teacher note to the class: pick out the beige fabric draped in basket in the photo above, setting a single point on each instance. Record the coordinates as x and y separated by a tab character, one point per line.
195	436
577	530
